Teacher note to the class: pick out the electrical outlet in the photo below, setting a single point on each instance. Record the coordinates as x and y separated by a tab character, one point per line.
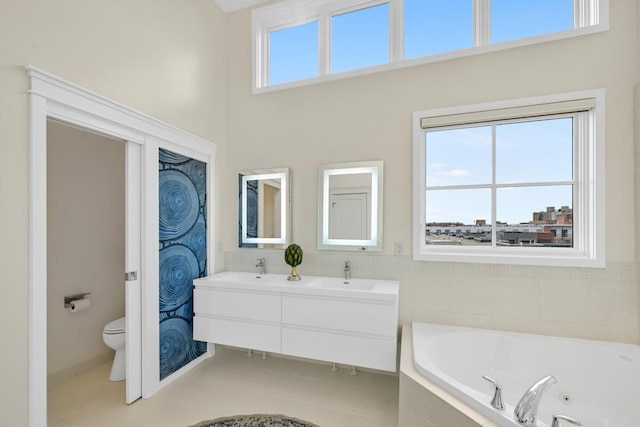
399	248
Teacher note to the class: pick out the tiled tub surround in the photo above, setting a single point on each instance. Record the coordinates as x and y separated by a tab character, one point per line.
594	382
599	304
425	404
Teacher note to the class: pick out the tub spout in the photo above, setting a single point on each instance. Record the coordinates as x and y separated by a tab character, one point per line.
526	411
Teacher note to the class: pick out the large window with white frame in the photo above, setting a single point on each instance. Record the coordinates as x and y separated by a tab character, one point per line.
516	182
299	42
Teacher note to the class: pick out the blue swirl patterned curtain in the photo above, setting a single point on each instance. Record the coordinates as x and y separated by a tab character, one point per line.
183	256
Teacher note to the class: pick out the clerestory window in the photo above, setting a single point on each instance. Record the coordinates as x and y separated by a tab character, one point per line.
299	42
352	31
521	181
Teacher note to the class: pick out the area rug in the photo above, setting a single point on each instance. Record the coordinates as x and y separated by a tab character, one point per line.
255	421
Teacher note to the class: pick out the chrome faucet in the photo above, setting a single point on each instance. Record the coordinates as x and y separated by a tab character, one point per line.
559	418
526	411
260	265
347	270
496	401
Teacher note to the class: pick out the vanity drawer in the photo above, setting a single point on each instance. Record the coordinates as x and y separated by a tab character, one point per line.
340	315
240	305
238	334
346	349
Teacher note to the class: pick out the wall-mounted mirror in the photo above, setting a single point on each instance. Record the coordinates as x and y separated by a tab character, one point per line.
350	206
264	208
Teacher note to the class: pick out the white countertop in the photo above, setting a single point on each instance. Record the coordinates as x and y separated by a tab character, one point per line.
384	291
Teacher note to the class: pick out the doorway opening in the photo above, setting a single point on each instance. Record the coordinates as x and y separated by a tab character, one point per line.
52	98
85	252
85	246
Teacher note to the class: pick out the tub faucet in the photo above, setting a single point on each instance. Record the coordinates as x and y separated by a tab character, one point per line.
526	411
347	270
260	265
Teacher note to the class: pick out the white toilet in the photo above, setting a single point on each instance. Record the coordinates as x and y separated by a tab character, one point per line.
114	336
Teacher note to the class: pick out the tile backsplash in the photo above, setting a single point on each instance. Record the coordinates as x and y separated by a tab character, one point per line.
599	304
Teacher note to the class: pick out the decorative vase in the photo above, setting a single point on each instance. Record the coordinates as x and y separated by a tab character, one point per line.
293	275
293	257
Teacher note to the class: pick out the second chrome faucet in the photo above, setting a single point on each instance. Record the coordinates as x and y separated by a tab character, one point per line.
347	270
496	401
261	266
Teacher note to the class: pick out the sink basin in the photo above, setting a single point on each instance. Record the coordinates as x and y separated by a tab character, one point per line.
339	283
250	278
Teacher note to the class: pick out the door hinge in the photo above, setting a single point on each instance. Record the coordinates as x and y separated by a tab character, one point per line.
130	276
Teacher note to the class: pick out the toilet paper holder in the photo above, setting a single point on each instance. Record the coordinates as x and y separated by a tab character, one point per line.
68	299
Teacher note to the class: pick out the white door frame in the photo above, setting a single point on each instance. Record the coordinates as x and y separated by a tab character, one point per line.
133	264
55	98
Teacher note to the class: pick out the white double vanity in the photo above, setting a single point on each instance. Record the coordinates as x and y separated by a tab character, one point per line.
346	321
353	322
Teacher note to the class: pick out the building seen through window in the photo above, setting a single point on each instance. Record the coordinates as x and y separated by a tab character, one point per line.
551	228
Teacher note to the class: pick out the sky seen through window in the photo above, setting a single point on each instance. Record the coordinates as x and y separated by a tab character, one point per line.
531	152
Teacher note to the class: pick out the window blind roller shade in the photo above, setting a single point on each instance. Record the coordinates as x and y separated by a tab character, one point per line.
573	106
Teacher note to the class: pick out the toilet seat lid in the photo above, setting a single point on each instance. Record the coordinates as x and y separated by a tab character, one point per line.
115	327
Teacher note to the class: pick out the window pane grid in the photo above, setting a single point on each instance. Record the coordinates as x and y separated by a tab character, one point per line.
360	38
512	20
300	41
426	21
515	231
423	28
494	198
573	241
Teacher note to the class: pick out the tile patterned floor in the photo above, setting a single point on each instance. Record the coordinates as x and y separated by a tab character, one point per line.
231	384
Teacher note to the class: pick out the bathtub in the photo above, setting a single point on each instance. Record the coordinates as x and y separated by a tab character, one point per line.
598	382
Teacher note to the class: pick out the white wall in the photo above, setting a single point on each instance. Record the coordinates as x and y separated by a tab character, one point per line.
369	118
637	159
85	245
165	58
170	59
